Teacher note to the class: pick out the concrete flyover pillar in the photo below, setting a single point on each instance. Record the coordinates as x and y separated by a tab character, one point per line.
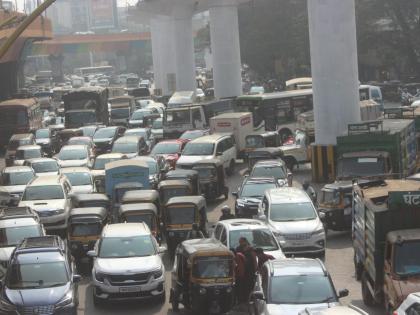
225	48
184	48
332	30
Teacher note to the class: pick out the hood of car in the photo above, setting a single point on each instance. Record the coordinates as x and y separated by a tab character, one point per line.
46	174
97	173
72	163
83	189
250	199
129	265
294	309
43	141
44	205
6	252
37	297
18	162
191	159
14	189
296	227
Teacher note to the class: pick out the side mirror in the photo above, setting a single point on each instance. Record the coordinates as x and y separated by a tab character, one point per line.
162	249
262	217
91	254
77	278
343	293
322	216
290	179
257	296
235	194
219	153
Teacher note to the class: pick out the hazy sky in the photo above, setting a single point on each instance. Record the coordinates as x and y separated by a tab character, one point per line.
120	3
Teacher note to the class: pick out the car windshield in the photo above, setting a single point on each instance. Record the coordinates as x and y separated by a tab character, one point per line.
28	154
104	133
72	154
87	229
360	167
37	275
191	135
100	163
407	258
17	178
330	196
212	267
198	149
256	190
298	211
157	124
12	236
79	178
180	116
165	148
136	132
45	167
258	238
301	289
42	134
268	171
124	147
120	113
255	142
180	215
124	247
140	114
43	193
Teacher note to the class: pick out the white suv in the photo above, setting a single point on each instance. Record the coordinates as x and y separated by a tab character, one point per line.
209	147
50	197
256	232
292	217
127	264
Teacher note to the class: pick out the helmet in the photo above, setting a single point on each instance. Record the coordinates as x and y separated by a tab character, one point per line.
305	184
225	209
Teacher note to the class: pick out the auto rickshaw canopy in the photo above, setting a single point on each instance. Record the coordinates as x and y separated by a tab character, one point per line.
203	247
138	207
85	215
197	201
91	200
139	196
174	183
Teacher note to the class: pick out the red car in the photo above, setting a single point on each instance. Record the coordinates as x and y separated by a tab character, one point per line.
170	150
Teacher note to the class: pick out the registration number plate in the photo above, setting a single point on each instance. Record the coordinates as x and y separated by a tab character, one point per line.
130	289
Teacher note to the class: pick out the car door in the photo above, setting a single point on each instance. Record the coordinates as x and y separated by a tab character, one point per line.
220	150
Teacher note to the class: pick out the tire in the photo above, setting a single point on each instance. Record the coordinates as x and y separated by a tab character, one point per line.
367	296
162	298
175	304
96	301
290	163
231	169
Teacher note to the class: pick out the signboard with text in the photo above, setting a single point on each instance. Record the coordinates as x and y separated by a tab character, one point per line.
103	14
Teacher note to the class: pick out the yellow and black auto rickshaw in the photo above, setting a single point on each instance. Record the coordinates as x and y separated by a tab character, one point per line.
142	196
212	178
203	277
174	188
84	229
142	212
270	139
91	201
189	175
179	216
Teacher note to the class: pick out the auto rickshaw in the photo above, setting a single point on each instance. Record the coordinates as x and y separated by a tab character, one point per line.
173	188
142	212
119	191
91	201
262	154
336	204
203	277
190	175
66	134
84	229
212	178
178	217
142	196
269	139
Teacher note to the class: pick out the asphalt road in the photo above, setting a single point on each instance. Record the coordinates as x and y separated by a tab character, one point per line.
339	262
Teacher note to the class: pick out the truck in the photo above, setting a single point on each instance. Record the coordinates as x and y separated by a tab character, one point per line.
86	106
121	109
189	117
239	124
386	240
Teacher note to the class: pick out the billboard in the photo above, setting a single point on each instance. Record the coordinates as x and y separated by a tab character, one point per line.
103	14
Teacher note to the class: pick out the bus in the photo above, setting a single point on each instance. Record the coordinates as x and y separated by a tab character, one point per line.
19	116
275	109
86	71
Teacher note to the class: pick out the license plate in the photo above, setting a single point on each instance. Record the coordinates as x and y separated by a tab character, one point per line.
130	289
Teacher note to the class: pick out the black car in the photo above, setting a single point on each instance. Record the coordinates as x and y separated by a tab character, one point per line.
273	168
104	138
40	279
250	194
48	140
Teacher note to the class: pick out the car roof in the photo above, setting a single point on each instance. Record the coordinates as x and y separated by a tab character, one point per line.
78	169
297	266
21	136
29	147
125	230
128	139
17	222
81	138
111	156
39	257
74	147
46	180
210	138
287	195
244	224
40	160
269	163
17	169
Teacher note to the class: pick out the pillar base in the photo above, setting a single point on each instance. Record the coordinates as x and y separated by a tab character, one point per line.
323	163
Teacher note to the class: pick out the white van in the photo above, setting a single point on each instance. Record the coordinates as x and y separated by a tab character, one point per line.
371	92
221	146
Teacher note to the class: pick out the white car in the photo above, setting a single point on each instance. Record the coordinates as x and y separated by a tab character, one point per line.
410	306
209	147
334	310
14	179
127	264
291	215
50	197
74	155
27	152
44	166
80	179
415	104
200	93
228	232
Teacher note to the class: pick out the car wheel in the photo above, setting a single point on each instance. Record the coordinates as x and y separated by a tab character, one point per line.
162	298
96	301
175	303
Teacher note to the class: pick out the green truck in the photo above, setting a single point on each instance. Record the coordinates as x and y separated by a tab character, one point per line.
386	240
381	148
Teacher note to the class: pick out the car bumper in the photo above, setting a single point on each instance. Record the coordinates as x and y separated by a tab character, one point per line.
154	288
311	246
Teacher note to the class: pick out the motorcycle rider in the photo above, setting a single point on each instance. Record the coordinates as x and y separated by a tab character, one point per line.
310	191
226	214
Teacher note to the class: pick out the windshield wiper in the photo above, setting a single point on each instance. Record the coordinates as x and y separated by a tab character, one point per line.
329	300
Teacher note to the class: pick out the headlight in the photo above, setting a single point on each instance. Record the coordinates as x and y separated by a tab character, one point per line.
240	204
203	291
158	274
100	276
68	299
282	182
318	232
